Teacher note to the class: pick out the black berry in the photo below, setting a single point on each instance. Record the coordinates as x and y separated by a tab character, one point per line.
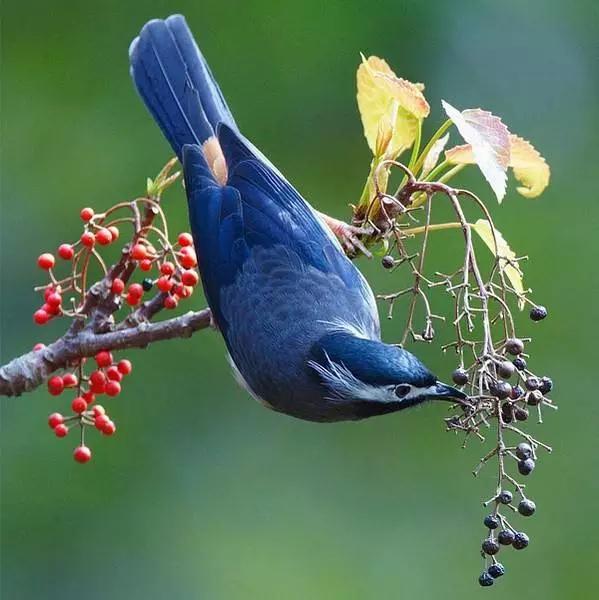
527	508
490	546
485	579
538	313
428	334
505	537
388	261
147	284
514	346
520	540
502	389
519	363
546	385
460	376
520	414
496	570
505	369
507	414
517	391
526	466
532	383
491	521
523	451
504	497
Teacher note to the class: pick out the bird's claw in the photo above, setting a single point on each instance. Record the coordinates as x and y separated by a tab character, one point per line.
348	236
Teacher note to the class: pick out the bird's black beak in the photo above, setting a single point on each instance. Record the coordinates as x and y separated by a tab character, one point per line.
447	392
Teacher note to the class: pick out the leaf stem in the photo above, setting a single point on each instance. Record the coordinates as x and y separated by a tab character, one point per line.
438	134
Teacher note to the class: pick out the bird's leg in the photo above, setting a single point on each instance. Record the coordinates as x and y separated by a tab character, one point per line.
347	235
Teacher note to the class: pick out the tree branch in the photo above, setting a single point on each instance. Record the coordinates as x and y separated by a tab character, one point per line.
30	370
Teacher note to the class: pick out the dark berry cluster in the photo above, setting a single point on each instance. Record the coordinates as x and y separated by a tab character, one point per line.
501	533
503	388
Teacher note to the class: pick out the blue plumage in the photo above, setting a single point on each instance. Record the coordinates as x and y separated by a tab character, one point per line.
299	320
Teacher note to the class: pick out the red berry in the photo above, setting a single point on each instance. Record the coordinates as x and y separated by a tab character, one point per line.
99	410
61	430
167	268
109	428
103	237
125	367
82	454
54	299
86	214
113	373
79	405
88	396
145	264
39	346
101	420
55	385
66	251
88	239
136	290
187	257
50	290
103	358
45	261
113	388
51	310
97	380
139	252
55	419
117	286
164	283
114	232
189	278
185	239
41	317
185	291
170	302
69	380
132	300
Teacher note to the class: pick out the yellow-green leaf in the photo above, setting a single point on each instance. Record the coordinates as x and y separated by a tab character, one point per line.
489	139
380	93
530	168
503	252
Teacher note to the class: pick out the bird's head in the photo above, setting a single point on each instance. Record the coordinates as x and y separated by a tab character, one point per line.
369	377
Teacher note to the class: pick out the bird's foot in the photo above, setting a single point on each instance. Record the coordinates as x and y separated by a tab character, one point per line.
348	235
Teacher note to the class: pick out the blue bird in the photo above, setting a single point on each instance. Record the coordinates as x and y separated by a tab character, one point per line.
299	320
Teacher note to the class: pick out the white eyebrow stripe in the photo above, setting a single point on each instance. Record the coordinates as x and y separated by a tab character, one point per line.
344	385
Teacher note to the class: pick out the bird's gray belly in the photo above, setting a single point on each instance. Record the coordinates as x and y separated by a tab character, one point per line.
274	312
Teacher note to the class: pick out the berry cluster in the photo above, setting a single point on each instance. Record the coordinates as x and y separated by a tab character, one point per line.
168	267
106	379
503	388
175	278
493	371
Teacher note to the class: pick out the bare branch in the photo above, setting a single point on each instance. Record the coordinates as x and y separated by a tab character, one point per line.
29	371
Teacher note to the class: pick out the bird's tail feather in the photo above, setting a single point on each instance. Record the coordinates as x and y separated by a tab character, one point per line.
176	84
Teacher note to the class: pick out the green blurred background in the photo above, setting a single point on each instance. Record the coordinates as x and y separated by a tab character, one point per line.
203	493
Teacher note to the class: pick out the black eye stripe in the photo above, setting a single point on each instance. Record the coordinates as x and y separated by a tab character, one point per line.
402	390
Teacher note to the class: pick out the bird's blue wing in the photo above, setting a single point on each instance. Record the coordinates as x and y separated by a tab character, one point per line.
258	209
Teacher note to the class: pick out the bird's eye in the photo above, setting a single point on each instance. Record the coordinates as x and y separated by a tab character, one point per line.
402	390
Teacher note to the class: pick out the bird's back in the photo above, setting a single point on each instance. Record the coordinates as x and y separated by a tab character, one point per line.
274	276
